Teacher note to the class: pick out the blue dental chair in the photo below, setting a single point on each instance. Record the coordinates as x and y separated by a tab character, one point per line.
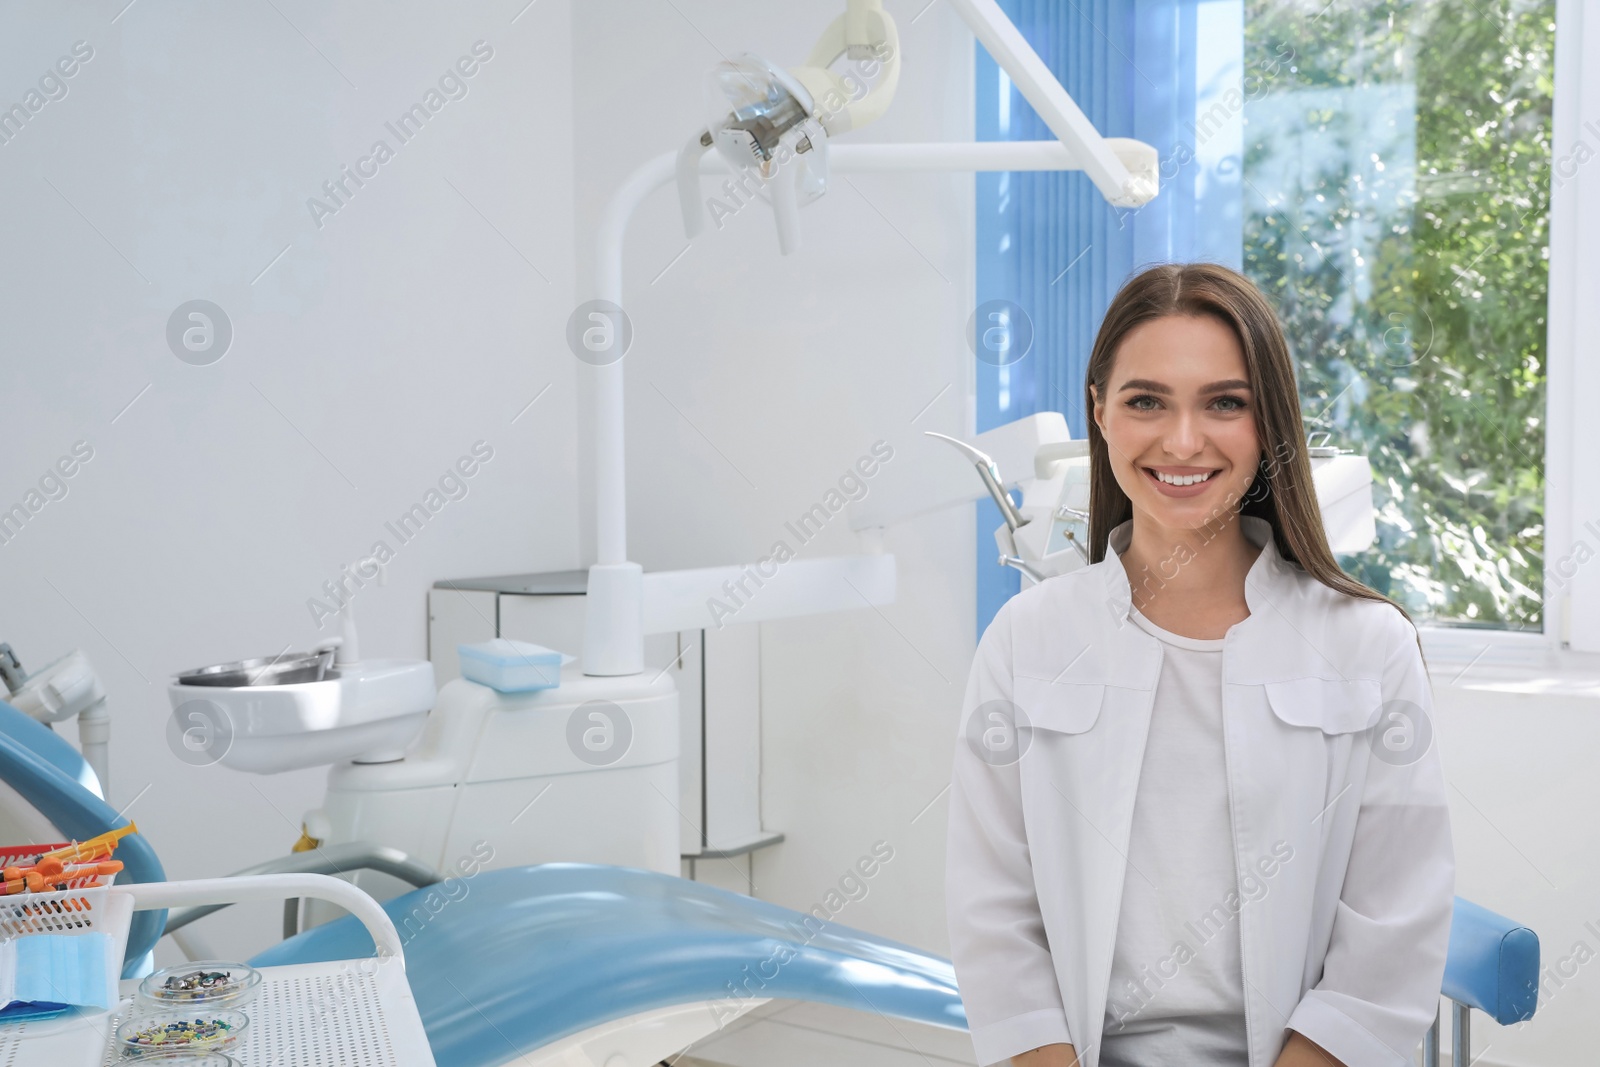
51	775
527	956
531	955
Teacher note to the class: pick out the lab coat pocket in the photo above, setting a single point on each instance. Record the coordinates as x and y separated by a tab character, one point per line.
1064	707
1332	705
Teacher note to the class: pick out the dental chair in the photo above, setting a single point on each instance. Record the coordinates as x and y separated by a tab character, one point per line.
570	964
44	776
561	964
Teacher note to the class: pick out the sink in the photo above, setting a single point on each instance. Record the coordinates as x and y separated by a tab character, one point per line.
369	713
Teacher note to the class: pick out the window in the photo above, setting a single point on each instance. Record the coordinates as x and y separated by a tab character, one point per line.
1396	179
1383	171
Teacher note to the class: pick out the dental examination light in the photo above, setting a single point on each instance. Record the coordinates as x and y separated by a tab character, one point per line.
774	132
776	124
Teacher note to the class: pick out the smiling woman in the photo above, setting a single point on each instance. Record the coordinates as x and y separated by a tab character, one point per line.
1207	686
1196	421
1182	440
1159	425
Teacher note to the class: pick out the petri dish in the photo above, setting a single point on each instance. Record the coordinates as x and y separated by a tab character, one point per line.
158	1034
203	983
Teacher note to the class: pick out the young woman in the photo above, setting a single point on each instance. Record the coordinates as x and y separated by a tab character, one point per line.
1197	814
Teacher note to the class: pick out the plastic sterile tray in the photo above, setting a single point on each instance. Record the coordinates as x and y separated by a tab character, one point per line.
72	912
511	666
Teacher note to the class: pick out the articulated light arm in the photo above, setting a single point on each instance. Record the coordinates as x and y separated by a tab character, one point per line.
866	35
786	130
1120	185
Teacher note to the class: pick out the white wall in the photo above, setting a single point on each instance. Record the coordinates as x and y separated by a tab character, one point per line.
756	380
1518	754
365	360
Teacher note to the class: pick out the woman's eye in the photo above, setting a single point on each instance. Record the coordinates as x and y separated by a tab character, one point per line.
1149	402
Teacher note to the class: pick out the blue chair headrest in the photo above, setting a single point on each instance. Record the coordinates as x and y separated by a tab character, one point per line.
49	773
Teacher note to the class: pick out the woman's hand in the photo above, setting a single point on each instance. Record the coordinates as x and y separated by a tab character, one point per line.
1047	1056
1301	1051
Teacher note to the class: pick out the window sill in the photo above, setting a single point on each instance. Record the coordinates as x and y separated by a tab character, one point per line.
1508	662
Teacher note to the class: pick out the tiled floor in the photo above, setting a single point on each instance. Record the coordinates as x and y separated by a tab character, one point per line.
787	1033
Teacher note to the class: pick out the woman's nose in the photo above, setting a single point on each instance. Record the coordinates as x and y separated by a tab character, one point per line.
1185	437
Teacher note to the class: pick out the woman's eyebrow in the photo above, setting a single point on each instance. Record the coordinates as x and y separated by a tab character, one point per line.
1150	386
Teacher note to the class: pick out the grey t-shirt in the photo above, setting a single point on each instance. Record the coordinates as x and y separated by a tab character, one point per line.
1177	988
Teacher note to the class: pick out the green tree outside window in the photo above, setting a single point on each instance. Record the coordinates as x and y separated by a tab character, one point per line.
1396	172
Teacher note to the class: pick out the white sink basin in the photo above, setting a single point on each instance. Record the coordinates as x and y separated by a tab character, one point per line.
369	714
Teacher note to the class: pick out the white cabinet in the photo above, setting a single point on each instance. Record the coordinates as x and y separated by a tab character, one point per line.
718	675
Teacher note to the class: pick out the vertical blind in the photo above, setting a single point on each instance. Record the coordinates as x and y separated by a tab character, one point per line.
1049	244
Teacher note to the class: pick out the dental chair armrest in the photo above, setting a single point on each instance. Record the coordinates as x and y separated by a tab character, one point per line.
1493	964
329	859
206	892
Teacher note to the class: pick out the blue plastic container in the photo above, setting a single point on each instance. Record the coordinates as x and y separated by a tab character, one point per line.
511	666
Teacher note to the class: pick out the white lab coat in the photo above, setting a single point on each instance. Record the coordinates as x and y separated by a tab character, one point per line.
1341	832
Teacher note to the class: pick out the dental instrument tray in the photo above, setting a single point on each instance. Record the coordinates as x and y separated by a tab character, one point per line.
357	1011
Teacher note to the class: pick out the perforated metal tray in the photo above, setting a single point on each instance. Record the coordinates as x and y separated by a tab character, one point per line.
348	1013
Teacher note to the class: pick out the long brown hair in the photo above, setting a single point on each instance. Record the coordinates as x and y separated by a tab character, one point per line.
1282	492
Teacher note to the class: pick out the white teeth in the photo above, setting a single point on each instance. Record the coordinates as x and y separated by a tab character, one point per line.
1183	479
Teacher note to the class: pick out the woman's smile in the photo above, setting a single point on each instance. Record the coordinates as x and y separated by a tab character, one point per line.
1182	481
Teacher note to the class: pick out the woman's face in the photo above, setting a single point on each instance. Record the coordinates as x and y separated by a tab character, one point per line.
1178	403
